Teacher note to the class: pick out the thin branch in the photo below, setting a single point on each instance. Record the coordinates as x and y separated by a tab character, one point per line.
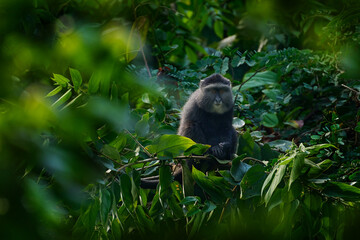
138	143
226	203
351	89
156	158
145	61
253	159
256	72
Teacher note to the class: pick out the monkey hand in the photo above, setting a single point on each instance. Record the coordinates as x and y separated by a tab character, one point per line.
221	151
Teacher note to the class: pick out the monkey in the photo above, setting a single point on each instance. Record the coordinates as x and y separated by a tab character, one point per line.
206	118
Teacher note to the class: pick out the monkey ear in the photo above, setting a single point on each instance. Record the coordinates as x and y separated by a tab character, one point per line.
201	83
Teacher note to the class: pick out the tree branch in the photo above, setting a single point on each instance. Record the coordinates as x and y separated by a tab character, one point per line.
256	72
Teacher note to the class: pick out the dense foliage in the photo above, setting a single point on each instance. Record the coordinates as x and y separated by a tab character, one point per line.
91	94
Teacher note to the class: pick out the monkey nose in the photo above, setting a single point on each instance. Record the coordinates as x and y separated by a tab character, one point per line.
218	101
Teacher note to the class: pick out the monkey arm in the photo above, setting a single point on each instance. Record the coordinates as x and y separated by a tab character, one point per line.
225	149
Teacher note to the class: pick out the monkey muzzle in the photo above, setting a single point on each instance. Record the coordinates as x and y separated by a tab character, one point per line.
217	101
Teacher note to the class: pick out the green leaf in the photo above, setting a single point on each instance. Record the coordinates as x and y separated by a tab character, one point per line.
126	195
298	164
62	99
238	169
191	54
190	200
269	120
238	123
260	79
142	127
156	207
55	91
248	146
219	28
279	173
316	148
137	37
116	228
114	92
197	149
237	61
281	145
342	190
188	181
321	167
110	152
196	46
76	79
74	101
208	186
165	180
170	145
252	182
209	206
105	205
177	210
94	83
143	218
61	80
224	66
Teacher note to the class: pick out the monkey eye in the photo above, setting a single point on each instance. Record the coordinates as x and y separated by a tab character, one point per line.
212	90
221	91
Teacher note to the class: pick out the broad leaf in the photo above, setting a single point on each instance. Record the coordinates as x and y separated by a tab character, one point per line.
76	79
238	169
342	190
298	164
126	195
170	145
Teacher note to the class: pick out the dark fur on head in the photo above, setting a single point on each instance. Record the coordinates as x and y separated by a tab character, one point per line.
214	78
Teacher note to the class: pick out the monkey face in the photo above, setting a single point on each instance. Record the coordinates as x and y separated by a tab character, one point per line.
216	98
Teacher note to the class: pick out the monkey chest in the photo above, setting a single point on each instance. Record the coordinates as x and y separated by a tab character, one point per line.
215	131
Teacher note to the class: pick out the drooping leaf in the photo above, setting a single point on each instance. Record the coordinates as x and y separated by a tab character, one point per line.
94	82
208	186
170	145
105	204
275	178
110	152
238	169
165	179
137	37
190	54
219	28
298	164
62	99
142	127
197	149
126	195
252	182
55	91
76	79
248	146
342	190
260	79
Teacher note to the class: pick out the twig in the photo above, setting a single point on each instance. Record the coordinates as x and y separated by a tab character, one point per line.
138	143
253	159
156	158
145	61
226	203
256	72
351	89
